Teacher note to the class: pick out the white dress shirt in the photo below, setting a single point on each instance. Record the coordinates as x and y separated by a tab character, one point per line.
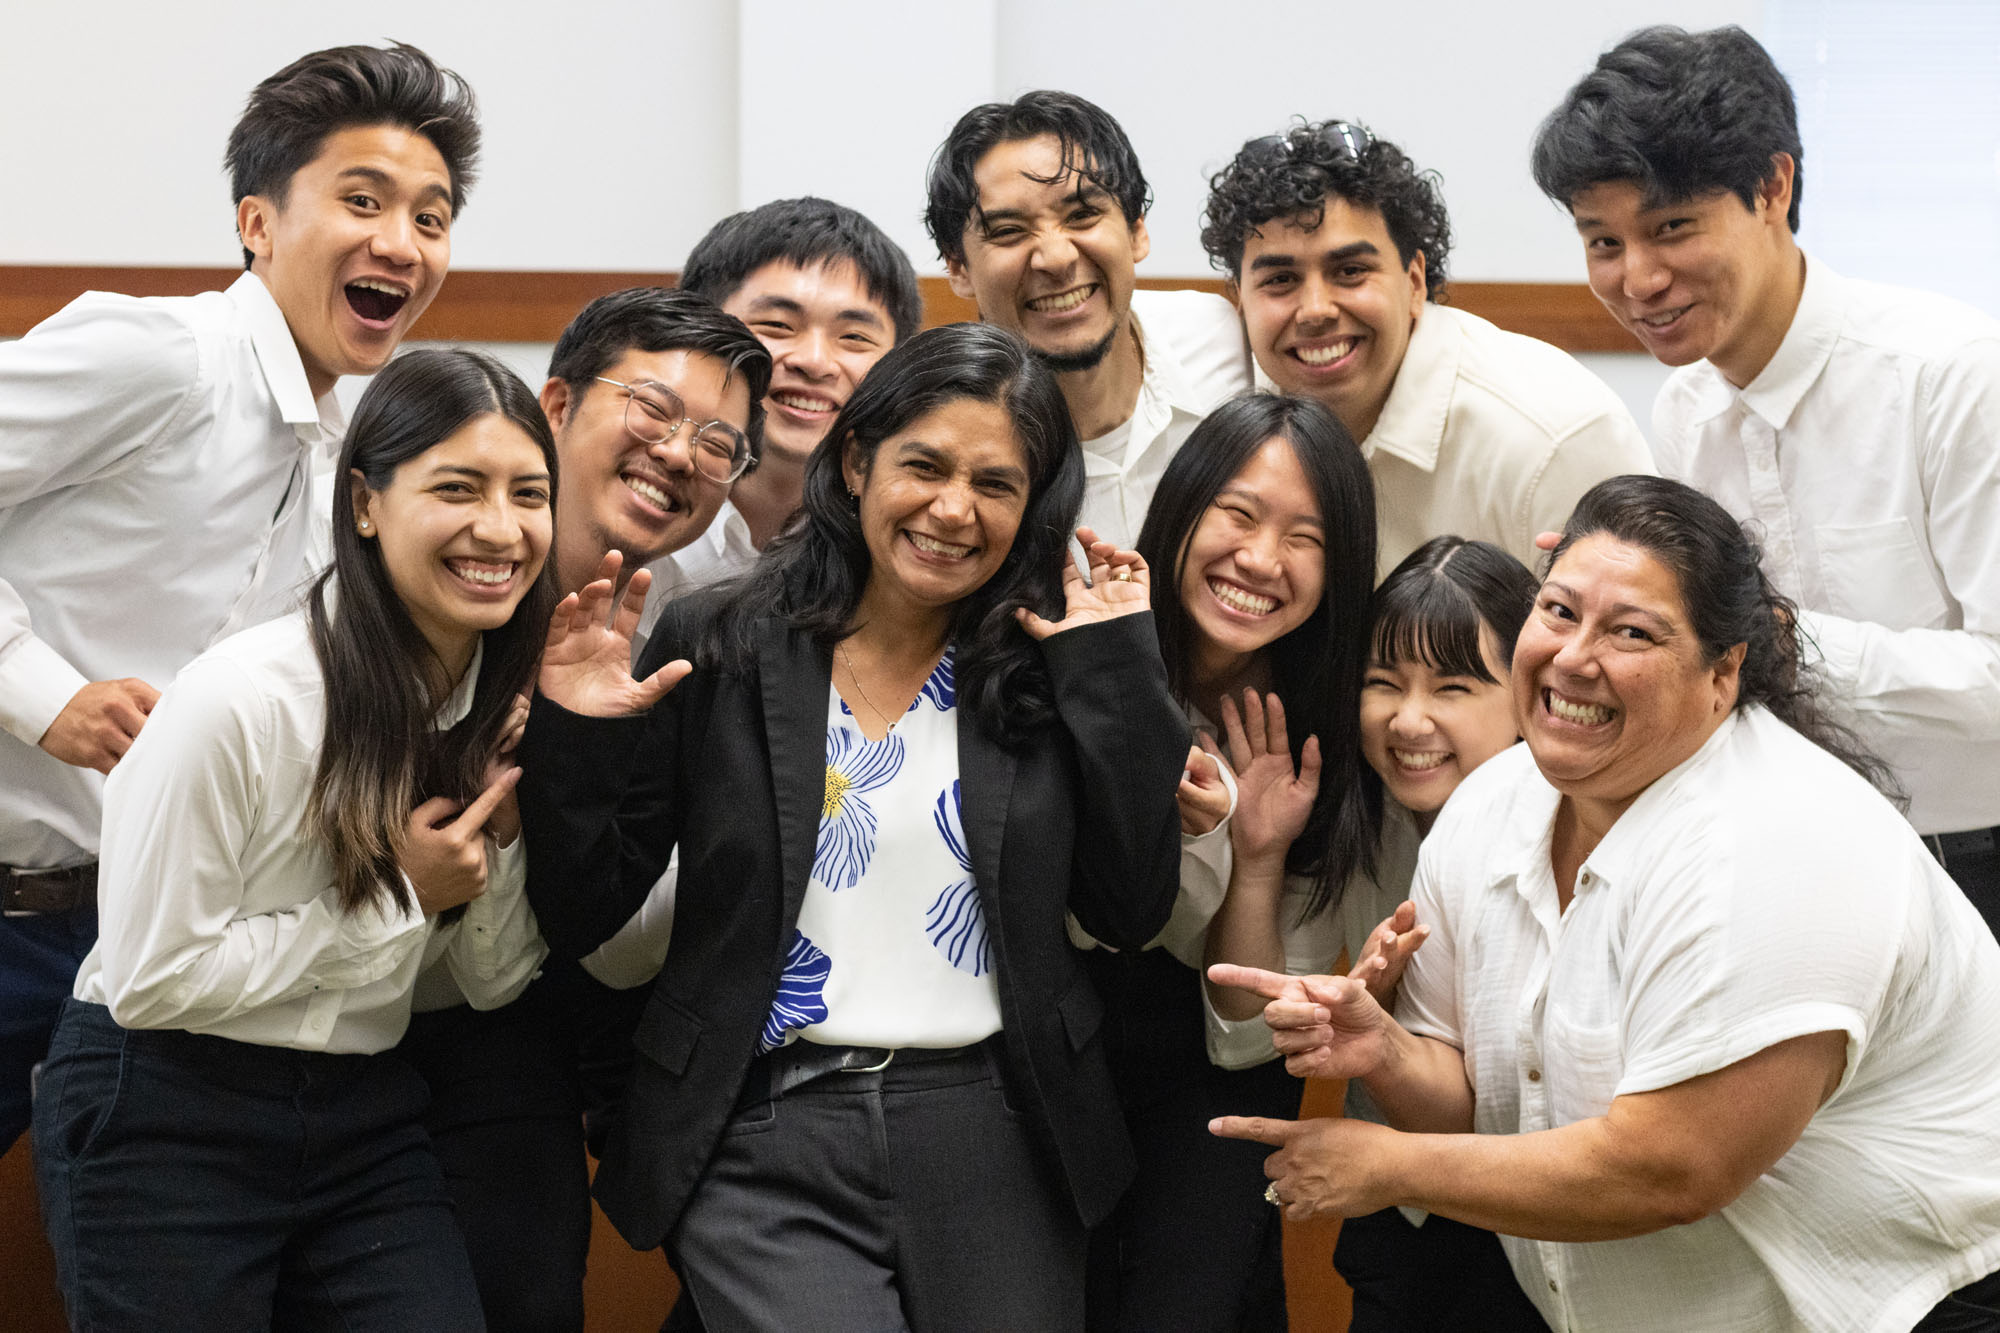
218	912
1196	359
155	496
1490	435
1868	453
1756	893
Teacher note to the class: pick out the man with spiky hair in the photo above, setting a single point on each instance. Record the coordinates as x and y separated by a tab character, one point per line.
1038	208
1335	245
1857	424
157	461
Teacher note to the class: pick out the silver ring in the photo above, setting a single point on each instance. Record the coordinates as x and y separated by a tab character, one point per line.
1271	1194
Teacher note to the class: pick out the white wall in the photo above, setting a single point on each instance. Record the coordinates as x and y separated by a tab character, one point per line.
617	131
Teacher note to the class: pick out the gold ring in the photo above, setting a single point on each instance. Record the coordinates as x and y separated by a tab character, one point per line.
1271	1194
1123	576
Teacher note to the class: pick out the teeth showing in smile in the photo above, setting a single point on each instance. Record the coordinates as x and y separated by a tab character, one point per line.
1324	356
378	285
1062	301
477	571
1248	602
1588	715
1419	762
932	546
648	492
1662	319
376	298
803	402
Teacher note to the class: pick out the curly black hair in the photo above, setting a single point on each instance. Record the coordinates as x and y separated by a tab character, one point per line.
1290	176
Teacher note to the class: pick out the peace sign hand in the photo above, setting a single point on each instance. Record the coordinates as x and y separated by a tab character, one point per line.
1120	585
587	662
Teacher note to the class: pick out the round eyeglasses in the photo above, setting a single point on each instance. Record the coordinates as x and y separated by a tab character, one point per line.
654	413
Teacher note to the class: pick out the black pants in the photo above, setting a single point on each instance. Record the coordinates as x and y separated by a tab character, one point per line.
1442	1276
1194	1246
1973	1308
1974	865
197	1183
914	1197
509	1090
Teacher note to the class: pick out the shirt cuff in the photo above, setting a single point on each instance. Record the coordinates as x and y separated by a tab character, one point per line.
36	684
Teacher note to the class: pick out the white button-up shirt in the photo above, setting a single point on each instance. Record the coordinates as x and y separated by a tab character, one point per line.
155	495
1490	435
1756	893
1868	453
1196	359
218	912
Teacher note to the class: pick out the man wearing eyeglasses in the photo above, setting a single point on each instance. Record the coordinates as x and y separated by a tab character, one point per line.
1335	246
1038	208
656	400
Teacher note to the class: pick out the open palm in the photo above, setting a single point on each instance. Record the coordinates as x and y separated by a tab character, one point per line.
587	661
1273	800
1120	585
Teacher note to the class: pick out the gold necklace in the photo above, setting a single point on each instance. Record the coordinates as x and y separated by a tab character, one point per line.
855	676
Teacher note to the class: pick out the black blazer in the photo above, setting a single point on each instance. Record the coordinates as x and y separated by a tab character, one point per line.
731	767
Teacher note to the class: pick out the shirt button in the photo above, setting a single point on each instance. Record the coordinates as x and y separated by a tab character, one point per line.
1534	1076
1552	1284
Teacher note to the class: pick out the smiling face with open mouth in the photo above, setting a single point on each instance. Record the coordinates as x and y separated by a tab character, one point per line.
356	249
463	529
939	505
1423	730
1329	309
1254	567
1048	254
620	493
1610	687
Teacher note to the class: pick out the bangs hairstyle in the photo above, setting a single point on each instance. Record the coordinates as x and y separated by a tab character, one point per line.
1290	178
1679	115
290	115
814	571
382	755
1094	149
1433	607
806	233
661	319
1317	667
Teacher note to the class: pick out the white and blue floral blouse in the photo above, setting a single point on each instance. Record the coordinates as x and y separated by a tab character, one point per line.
892	946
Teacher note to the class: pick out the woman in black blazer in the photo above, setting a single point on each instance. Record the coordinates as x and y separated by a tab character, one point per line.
852	1110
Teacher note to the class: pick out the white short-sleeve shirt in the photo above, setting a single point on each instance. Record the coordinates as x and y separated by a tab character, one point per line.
1758	892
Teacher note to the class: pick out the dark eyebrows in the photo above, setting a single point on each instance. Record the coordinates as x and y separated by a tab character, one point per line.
479	474
1235	492
1339	255
1616	608
947	462
432	192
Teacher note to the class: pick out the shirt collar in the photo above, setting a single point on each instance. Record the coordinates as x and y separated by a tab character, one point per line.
1412	422
1614	860
1800	358
459	702
278	357
1163	391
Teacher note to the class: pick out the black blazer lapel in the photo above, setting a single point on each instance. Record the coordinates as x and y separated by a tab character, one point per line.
987	774
796	675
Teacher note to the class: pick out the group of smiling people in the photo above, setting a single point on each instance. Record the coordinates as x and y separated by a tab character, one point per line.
970	848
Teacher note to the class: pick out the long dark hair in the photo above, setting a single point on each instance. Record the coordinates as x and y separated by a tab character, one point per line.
1717	566
1317	667
814	572
1432	608
381	756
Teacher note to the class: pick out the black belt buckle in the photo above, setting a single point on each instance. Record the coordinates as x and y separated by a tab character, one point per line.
43	892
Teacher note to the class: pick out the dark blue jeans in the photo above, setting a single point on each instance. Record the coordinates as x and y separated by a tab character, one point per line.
39	956
197	1183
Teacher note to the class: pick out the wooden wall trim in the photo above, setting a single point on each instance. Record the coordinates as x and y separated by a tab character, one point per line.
492	305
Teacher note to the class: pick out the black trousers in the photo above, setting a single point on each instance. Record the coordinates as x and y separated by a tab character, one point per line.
1441	1277
197	1183
1194	1245
913	1197
1973	1308
1973	862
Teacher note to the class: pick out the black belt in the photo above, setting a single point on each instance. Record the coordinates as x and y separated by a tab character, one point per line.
1950	847
35	892
778	1072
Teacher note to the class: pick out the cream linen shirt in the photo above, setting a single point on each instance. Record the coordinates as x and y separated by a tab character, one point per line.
1196	359
1490	435
156	495
218	912
1868	454
1758	892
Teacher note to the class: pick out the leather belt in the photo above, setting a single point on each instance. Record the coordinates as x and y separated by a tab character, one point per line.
778	1072
37	892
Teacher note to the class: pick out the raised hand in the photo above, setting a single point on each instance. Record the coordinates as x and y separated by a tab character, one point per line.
1204	800
100	722
587	662
1320	1166
1120	585
444	846
1388	951
1273	800
1325	1027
